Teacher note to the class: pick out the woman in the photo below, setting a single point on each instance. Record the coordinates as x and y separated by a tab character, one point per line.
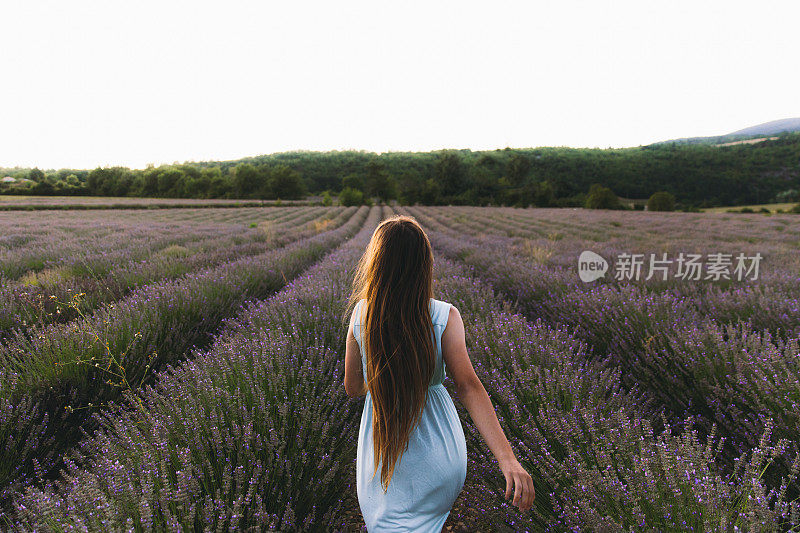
412	457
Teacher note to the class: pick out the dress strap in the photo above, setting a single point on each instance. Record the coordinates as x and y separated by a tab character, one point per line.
440	313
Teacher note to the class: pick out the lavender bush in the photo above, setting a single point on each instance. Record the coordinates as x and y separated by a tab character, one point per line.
107	276
77	366
658	406
228	439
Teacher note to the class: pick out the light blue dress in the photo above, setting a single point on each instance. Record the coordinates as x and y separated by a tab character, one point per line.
430	474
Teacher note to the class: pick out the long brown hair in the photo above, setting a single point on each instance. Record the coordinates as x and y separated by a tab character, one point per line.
395	276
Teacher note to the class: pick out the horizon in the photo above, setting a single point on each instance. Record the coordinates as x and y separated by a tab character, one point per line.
176	85
269	154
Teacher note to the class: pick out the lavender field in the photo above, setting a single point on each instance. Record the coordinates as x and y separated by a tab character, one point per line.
31	203
182	369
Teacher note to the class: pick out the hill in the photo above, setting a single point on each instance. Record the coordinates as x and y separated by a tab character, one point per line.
775	127
771	128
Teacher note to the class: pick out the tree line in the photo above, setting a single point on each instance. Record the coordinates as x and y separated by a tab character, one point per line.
696	175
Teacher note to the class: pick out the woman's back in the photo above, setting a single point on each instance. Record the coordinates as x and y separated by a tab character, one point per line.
439	312
430	474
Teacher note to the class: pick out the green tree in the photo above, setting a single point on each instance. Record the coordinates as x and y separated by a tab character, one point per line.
36	175
148	183
788	195
197	185
353	181
246	180
170	181
102	181
661	201
43	188
484	188
601	197
350	196
220	187
123	184
542	194
431	193
449	172
379	183
517	169
410	185
286	183
95	181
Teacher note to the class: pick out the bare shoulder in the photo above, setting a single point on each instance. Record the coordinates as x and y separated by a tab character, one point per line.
454	316
454	331
454	352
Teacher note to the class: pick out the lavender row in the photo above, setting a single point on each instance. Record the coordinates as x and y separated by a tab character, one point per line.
731	373
755	382
598	462
92	242
618	319
22	306
81	243
598	226
558	245
56	379
71	246
255	431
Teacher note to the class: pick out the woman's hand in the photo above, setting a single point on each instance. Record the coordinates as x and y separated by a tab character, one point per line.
519	484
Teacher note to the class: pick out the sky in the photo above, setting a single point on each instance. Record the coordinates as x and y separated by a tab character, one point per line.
86	84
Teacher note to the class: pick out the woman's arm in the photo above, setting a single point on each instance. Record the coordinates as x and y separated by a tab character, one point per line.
474	397
354	385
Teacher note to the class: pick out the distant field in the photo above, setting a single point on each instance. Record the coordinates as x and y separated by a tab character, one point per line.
755	207
11	201
747	141
220	332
